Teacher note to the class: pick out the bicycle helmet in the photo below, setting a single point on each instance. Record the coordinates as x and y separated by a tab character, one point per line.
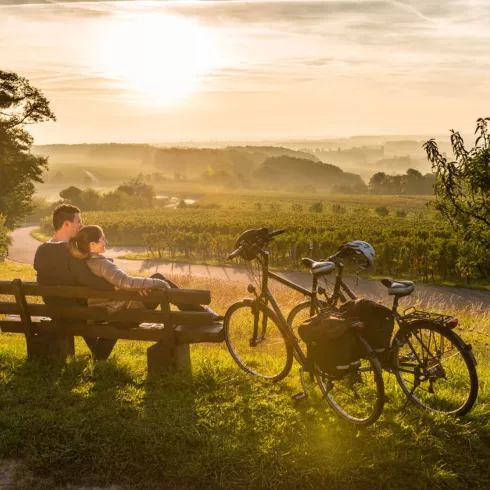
359	249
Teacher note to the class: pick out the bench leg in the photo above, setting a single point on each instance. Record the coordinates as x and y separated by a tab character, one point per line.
163	356
103	348
48	346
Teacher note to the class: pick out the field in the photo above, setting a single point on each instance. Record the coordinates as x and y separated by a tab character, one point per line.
102	423
410	239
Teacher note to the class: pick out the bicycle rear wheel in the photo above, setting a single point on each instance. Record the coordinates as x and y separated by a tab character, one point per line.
435	369
357	397
256	340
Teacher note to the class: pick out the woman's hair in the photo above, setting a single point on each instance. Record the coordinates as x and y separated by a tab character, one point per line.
79	245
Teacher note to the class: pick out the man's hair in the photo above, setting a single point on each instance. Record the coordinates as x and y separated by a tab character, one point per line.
62	213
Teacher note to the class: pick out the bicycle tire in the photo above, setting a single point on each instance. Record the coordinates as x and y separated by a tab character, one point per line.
438	387
272	357
349	391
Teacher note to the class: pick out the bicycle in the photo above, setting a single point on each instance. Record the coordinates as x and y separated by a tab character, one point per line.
262	343
434	367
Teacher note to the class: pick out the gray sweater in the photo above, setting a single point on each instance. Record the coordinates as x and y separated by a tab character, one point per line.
104	267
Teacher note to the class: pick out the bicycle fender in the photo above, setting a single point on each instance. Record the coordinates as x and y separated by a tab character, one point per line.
467	348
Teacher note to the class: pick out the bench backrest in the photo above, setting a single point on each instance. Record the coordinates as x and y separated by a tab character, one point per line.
21	291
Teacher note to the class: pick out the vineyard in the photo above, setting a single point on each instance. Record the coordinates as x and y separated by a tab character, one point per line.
410	239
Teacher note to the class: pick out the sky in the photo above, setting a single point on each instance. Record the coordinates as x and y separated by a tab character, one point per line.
167	71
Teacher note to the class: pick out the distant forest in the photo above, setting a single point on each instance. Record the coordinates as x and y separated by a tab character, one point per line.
271	168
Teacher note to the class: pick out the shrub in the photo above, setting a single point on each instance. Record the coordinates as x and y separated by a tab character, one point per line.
338	209
401	214
382	211
316	207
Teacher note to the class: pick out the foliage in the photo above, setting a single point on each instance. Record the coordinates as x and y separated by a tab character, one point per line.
5	240
20	104
316	207
419	246
287	172
412	183
382	211
338	208
133	194
463	185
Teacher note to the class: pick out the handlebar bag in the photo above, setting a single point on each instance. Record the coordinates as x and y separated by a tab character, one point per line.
331	344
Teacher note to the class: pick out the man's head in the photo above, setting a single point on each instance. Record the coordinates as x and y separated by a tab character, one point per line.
66	220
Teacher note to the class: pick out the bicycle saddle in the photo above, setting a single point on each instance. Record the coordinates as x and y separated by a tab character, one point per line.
398	288
318	268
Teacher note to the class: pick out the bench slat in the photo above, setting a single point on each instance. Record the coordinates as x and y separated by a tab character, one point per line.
9	308
189	296
211	333
6	287
175	296
101	314
151	332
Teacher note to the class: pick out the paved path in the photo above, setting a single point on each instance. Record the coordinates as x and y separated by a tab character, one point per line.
24	247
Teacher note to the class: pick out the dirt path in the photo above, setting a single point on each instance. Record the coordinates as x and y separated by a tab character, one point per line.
24	248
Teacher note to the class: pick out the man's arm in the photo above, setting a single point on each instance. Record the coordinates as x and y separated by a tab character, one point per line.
83	275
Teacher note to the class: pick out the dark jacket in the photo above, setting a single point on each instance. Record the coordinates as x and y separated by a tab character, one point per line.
55	266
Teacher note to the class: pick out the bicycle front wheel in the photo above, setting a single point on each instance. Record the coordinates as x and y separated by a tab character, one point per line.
357	397
435	369
256	340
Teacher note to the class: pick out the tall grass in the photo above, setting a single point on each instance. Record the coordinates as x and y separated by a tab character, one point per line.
101	423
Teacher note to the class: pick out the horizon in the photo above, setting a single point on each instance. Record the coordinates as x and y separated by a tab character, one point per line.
254	71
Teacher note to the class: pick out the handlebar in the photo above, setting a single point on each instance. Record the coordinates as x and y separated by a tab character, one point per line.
277	232
235	253
263	241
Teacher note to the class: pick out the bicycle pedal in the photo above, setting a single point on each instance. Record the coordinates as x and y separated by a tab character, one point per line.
299	396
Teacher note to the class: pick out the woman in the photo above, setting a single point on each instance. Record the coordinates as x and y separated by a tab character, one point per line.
89	244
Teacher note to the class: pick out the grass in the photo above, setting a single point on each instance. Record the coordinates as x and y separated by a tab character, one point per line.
102	423
38	235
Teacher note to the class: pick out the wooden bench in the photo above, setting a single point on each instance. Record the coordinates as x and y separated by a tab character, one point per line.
50	329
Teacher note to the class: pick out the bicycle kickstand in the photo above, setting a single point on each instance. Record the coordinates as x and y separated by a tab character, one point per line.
302	395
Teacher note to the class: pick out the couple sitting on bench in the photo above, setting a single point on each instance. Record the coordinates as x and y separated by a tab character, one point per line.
73	257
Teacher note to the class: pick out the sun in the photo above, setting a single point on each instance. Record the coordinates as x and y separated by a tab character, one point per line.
156	57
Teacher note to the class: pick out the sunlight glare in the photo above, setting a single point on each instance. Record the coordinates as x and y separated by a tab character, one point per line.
158	57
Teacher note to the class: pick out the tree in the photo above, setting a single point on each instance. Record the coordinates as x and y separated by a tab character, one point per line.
5	240
462	186
72	194
21	104
138	188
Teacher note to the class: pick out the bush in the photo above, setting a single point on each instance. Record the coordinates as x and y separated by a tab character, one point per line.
338	209
382	211
401	214
4	238
316	207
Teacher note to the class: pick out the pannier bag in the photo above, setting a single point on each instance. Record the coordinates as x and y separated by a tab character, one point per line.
378	324
331	344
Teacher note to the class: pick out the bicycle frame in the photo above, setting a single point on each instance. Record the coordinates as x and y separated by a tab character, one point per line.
266	296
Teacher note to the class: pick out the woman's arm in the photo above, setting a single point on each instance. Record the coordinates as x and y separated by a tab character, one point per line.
117	277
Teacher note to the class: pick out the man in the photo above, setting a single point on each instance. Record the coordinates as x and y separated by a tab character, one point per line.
56	267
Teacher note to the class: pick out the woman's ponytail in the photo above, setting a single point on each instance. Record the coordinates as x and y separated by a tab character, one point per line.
79	245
